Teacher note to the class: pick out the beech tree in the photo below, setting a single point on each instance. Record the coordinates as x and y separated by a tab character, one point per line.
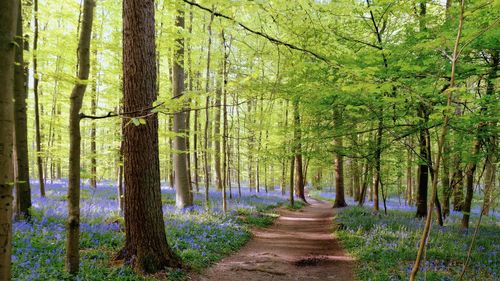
23	191
9	11
73	225
146	244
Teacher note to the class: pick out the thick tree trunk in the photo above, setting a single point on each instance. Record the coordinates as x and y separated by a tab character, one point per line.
146	246
23	191
181	180
8	19
72	261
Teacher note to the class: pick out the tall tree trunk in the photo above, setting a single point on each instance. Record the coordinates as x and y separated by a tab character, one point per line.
299	176
119	185
238	154
409	174
491	140
442	137
93	129
292	178
457	185
364	187
146	246
423	167
251	143
23	191
378	154
357	180
182	185
489	185
8	19
339	163
437	203
72	261
445	180
217	135
38	137
469	185
207	112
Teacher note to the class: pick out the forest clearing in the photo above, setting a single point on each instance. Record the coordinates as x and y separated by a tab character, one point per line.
249	140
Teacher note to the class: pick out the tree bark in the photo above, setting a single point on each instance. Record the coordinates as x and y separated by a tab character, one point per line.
93	129
72	261
339	165
181	180
299	176
23	191
423	167
445	180
8	19
146	246
38	137
207	112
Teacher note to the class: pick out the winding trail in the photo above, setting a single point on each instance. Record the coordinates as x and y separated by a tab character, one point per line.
298	246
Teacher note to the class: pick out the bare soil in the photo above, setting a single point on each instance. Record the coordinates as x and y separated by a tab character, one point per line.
298	246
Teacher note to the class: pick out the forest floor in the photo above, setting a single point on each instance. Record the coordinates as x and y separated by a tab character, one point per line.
298	246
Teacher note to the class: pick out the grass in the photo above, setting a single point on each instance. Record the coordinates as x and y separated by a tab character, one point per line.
386	245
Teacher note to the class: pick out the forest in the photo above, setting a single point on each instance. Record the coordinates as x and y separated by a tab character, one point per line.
249	139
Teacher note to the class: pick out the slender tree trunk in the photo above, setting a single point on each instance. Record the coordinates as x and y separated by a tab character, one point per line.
238	154
364	187
299	176
457	185
437	203
378	154
72	261
207	112
469	185
292	177
427	226
146	246
445	180
423	168
23	191
119	185
93	129
339	164
8	19
489	185
182	185
409	175
217	135
37	105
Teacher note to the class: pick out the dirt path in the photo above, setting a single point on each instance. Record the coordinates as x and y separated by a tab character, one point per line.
299	246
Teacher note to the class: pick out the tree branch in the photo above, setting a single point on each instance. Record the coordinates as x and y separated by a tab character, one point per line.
259	33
